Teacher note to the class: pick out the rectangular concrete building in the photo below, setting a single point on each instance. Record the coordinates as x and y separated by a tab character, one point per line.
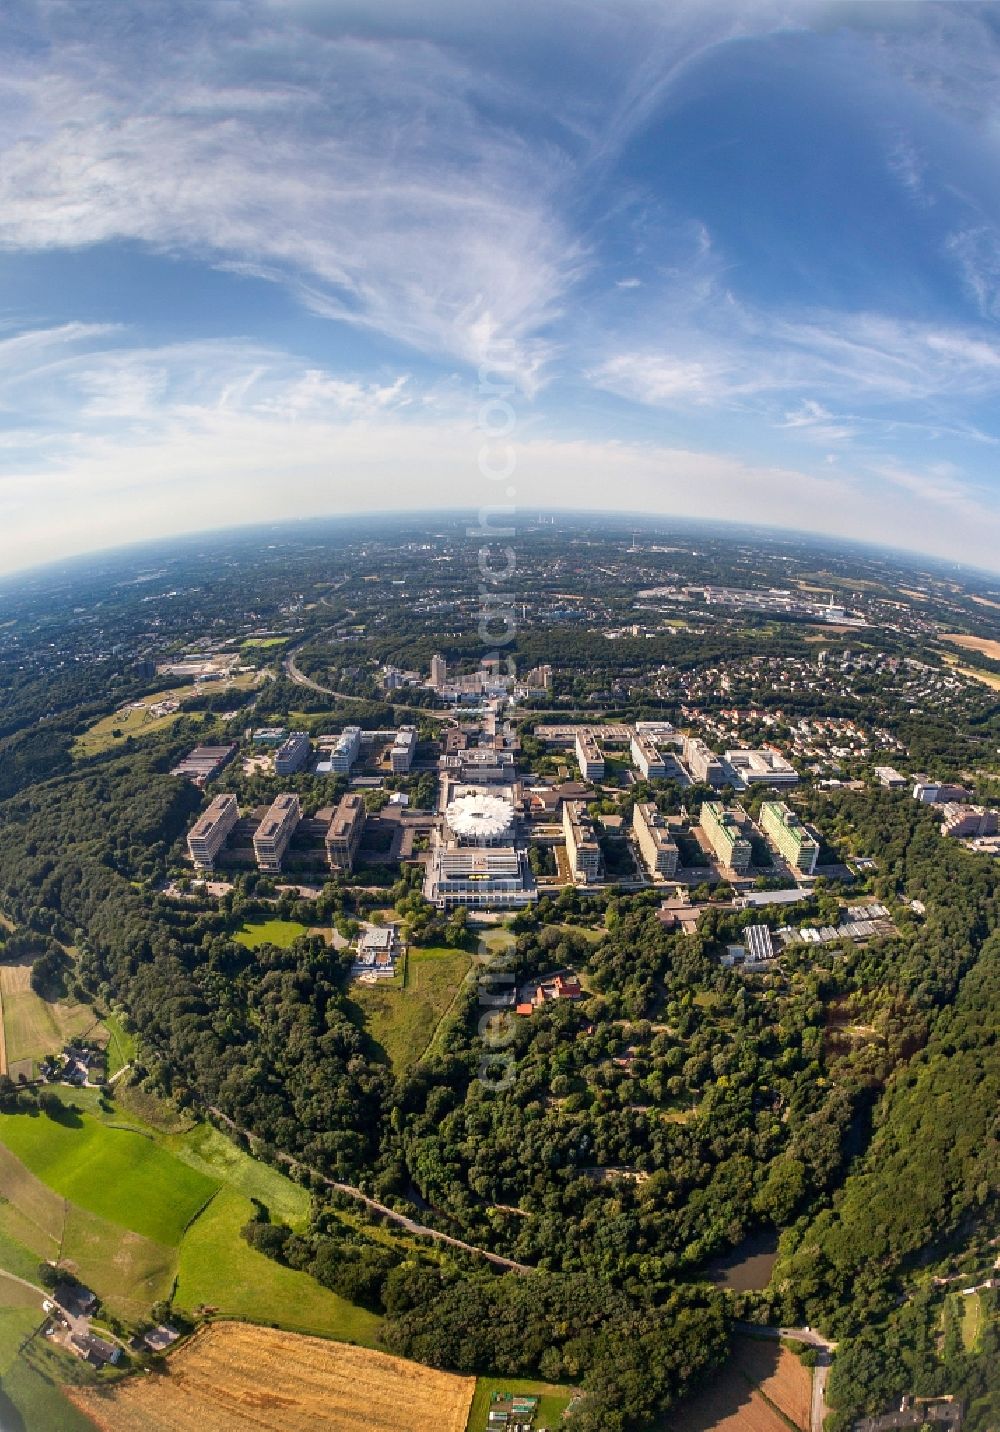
589	756
659	849
292	754
789	836
647	759
210	831
581	842
275	831
725	830
346	829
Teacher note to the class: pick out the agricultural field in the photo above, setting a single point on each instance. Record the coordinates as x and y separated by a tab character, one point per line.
33	1026
402	1019
269	932
118	1174
553	1400
230	1376
762	1388
217	1268
983	645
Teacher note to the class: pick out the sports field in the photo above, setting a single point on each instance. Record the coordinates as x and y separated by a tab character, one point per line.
230	1377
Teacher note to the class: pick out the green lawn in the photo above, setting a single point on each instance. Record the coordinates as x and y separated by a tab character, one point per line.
119	1175
402	1021
554	1400
972	1320
218	1268
121	1045
269	932
205	1149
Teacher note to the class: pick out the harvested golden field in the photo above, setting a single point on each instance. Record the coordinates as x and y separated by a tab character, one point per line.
982	644
232	1377
761	1386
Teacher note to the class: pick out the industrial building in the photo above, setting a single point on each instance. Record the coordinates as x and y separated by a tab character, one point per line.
792	840
705	767
210	831
581	843
725	830
292	754
346	828
659	849
765	766
275	831
403	748
589	756
646	757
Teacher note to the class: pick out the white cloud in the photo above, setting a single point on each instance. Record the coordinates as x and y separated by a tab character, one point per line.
205	435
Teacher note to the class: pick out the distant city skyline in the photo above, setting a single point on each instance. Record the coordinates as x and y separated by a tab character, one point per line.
741	261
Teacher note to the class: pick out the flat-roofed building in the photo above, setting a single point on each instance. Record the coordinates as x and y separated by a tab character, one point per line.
792	840
292	754
439	671
275	831
725	830
589	756
962	821
646	757
345	750
659	849
705	767
205	762
930	792
211	830
403	748
581	842
889	777
269	735
346	829
479	876
766	766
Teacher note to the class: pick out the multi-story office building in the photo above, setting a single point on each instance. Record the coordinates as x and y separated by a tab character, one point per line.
589	756
581	842
345	752
292	754
705	767
439	671
962	821
792	840
765	766
209	833
646	757
346	828
275	831
403	748
930	792
725	830
659	849
495	876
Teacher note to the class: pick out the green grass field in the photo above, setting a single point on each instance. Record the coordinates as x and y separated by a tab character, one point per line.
34	1027
121	1045
30	1393
122	1176
218	1268
402	1021
554	1400
972	1320
269	932
137	723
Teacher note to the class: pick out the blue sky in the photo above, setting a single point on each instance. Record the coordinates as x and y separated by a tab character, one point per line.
737	261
